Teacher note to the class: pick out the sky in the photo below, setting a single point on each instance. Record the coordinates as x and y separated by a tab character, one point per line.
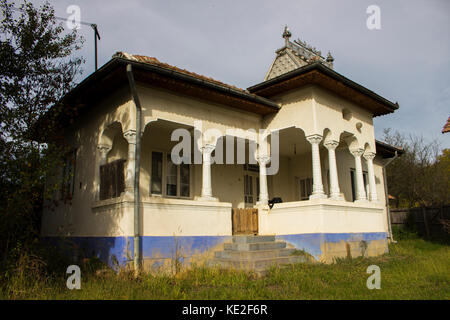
407	60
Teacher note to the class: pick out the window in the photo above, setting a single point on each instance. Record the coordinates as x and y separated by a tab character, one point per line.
305	187
353	177
171	177
68	175
248	189
156	173
185	178
176	179
112	179
251	184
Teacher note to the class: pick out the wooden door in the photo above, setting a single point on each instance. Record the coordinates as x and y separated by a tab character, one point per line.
245	221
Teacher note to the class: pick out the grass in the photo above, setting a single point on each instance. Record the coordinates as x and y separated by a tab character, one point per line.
413	269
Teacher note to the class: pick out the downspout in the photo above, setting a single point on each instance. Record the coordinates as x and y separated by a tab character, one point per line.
388	210
137	167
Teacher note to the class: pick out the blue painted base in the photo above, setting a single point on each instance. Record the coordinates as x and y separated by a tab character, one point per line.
312	242
117	251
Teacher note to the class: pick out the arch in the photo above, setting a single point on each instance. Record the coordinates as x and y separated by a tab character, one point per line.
351	140
108	134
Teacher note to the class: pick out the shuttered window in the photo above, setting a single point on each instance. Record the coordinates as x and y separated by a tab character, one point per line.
112	179
68	175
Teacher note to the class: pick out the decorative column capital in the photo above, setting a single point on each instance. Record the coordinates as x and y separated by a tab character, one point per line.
331	144
357	152
314	138
208	148
104	149
369	155
263	160
130	136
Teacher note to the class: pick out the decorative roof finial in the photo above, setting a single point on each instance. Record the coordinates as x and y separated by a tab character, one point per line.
329	57
286	34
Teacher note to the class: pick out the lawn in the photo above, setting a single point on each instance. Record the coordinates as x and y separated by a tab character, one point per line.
413	269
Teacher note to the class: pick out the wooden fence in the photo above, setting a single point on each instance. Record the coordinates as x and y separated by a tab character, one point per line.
429	221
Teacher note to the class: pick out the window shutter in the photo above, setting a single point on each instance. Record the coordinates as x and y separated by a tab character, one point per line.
112	179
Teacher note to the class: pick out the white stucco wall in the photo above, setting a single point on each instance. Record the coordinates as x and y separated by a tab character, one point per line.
310	108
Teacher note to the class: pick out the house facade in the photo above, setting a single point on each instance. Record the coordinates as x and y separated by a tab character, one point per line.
304	136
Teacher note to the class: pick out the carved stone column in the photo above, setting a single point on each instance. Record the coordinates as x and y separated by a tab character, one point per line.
360	191
103	156
263	192
373	196
317	171
335	192
130	136
206	173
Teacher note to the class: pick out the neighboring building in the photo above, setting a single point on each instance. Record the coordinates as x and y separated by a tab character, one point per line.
446	126
329	177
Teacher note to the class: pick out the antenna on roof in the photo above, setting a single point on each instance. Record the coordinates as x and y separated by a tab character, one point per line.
92	25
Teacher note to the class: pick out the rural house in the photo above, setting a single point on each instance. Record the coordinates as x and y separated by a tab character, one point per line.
313	180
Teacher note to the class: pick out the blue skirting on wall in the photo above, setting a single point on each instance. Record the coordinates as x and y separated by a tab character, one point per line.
117	251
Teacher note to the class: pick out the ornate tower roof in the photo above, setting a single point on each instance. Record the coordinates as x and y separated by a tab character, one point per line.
294	55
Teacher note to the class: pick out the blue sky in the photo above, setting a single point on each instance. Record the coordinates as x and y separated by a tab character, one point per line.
408	60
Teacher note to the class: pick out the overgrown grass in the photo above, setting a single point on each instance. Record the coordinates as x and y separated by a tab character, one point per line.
413	269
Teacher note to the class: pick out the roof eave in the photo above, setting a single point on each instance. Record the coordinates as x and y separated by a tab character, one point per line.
390	106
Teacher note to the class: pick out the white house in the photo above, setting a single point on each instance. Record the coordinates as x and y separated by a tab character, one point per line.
320	157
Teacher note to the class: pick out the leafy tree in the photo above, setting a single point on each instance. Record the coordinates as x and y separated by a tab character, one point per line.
421	176
37	68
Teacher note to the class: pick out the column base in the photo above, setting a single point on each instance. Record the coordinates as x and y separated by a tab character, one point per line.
361	201
318	196
336	197
206	198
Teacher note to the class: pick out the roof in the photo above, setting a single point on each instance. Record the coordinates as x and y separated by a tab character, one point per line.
386	150
150	71
319	74
155	62
446	126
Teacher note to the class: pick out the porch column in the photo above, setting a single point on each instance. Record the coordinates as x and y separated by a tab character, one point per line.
130	136
360	192
372	185
103	156
317	171
335	192
206	173
263	193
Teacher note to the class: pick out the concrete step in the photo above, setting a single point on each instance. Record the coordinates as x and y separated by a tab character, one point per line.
256	254
253	239
255	246
258	264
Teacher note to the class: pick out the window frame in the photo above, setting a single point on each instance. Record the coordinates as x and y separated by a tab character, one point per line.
299	187
67	189
164	178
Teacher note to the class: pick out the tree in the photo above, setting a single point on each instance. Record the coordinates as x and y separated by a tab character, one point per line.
421	176
37	68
